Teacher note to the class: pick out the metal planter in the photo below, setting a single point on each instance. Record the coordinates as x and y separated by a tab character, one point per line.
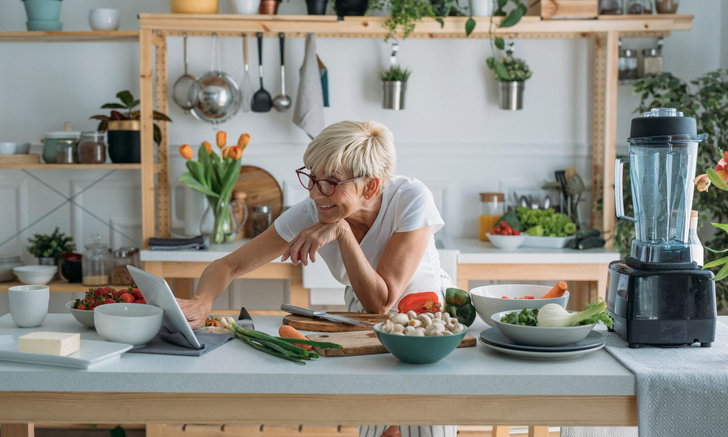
394	92
511	95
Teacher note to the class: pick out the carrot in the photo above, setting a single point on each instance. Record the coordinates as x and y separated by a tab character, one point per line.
288	331
558	291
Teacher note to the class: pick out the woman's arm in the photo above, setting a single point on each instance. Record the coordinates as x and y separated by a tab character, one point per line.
218	275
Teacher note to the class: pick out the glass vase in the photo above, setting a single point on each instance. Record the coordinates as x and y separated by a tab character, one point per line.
219	223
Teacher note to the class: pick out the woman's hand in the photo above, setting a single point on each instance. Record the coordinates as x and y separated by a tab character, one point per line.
305	245
195	310
392	431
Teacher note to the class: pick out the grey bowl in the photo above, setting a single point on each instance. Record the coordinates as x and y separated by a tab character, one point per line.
130	323
540	335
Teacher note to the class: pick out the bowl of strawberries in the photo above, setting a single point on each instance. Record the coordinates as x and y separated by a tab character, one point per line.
503	236
83	309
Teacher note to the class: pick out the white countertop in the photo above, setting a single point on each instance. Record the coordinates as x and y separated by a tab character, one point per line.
474	251
237	368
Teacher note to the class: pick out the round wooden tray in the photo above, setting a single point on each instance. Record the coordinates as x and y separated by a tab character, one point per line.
262	189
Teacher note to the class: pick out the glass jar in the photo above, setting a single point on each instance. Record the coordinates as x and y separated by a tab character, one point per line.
92	148
638	7
627	64
96	262
652	60
492	208
610	7
666	6
261	220
123	257
65	153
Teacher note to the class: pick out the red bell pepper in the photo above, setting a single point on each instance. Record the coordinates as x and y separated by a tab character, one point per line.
426	301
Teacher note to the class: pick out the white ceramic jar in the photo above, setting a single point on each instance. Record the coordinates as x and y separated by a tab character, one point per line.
246	7
103	19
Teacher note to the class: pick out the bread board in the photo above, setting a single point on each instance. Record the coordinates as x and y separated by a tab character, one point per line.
361	343
28	158
261	188
318	325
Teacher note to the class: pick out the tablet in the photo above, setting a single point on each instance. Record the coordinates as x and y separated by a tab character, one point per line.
156	292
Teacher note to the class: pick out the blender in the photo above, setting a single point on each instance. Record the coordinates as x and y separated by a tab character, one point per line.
659	295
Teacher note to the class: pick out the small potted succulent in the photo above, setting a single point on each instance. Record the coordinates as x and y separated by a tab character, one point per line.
48	248
511	74
394	83
125	128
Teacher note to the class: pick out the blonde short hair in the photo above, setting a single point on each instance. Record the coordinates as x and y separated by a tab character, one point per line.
362	148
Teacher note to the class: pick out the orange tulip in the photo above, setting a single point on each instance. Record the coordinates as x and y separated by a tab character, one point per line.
186	151
225	152
702	182
207	146
221	138
244	140
236	152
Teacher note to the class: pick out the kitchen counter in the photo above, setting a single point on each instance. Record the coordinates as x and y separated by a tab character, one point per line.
474	251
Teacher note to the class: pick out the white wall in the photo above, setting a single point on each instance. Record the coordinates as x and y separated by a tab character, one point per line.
452	135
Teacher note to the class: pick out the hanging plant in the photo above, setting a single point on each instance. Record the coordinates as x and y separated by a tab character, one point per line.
497	43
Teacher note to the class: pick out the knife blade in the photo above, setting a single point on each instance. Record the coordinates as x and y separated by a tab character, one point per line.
245	320
306	312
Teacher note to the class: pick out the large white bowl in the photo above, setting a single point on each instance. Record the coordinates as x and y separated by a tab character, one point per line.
130	323
35	275
84	317
488	299
540	335
507	242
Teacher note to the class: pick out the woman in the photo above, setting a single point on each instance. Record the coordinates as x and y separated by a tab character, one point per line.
374	231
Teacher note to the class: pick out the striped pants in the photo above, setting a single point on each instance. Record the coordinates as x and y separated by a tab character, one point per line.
411	431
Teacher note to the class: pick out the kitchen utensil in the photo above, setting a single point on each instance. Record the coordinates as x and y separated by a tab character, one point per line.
219	93
561	179
574	188
245	320
28	304
309	324
546	203
186	90
262	189
495	337
321	315
261	99
362	343
488	299
538	355
523	201
282	102
246	86
35	274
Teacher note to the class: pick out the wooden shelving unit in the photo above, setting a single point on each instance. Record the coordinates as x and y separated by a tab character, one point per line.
61	287
90	36
157	167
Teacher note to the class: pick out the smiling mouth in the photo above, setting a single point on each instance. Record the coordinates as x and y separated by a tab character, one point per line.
326	207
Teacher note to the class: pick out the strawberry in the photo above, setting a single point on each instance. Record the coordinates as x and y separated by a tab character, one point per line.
101	292
81	307
126	297
116	294
108	300
137	294
140	301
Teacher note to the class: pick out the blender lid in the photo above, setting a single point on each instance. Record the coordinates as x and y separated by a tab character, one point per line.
664	122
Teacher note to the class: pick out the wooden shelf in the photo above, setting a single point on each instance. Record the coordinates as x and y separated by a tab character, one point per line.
157	167
61	287
71	36
329	26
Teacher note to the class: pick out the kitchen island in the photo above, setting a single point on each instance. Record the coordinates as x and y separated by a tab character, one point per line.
235	384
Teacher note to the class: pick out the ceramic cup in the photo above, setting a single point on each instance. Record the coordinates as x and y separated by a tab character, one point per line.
29	304
103	19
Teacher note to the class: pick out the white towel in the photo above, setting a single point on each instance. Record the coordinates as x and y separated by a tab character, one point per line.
309	111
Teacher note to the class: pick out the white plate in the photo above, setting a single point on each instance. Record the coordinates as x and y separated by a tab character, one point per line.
92	353
546	242
543	355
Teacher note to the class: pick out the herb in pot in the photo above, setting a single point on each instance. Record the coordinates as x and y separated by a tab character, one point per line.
51	246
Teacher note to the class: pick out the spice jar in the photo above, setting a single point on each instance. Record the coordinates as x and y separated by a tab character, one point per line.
627	64
610	7
492	208
637	7
65	153
261	220
92	148
652	60
96	262
123	257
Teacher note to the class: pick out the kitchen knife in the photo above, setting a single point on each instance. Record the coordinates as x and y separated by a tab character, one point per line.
245	320
305	312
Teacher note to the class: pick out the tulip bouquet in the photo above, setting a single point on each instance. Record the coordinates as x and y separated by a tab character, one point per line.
718	177
214	176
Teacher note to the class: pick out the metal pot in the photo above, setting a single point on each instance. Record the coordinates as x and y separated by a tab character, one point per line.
511	95
394	92
220	96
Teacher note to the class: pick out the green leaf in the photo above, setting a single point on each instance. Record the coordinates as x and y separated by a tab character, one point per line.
469	26
441	21
501	72
113	106
716	180
501	3
720	226
499	43
513	18
197	170
118	432
722	273
126	98
717	262
716	251
490	62
191	182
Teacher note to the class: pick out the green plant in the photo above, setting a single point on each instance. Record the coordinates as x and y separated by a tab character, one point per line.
511	69
404	14
51	246
128	103
511	19
395	73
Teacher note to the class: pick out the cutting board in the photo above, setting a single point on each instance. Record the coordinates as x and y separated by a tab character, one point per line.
262	189
20	159
309	324
361	343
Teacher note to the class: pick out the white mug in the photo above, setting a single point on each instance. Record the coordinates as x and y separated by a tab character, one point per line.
29	304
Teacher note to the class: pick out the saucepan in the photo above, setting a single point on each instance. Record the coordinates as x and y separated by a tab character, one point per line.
219	93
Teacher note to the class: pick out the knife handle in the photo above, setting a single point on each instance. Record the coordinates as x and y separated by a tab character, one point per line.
299	311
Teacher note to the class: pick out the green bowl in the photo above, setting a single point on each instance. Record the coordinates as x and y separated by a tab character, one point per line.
419	350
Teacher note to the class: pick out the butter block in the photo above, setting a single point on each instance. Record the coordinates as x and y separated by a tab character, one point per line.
52	343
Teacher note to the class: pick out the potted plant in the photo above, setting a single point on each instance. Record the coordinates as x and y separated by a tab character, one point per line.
48	248
511	74
394	82
404	14
43	15
316	7
512	18
125	128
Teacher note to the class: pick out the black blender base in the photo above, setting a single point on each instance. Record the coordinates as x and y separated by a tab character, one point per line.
663	333
637	345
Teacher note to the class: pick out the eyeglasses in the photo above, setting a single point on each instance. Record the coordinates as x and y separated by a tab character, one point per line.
326	187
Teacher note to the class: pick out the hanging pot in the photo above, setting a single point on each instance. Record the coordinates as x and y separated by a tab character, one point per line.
316	7
511	95
125	141
346	8
394	92
219	93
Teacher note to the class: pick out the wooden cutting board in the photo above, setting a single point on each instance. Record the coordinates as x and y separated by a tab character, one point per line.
20	159
318	325
361	343
262	189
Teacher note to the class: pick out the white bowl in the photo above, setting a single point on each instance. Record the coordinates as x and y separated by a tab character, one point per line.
488	299
36	275
507	242
245	7
103	19
7	148
540	335
84	317
130	323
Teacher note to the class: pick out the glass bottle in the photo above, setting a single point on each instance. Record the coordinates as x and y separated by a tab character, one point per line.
492	208
65	153
696	247
262	219
638	7
92	148
96	262
610	7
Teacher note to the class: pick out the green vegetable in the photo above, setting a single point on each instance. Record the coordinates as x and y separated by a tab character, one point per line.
589	243
602	316
526	317
555	315
587	233
512	219
553	224
536	231
459	305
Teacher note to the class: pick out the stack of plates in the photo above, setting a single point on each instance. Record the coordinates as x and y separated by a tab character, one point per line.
493	339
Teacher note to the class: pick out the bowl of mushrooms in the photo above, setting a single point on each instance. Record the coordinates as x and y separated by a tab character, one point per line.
423	338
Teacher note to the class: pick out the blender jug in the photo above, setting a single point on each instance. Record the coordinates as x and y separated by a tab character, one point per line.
663	149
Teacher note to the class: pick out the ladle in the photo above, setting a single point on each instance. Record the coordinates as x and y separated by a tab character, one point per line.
186	90
282	101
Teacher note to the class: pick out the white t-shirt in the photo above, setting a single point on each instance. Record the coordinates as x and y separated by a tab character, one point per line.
407	205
